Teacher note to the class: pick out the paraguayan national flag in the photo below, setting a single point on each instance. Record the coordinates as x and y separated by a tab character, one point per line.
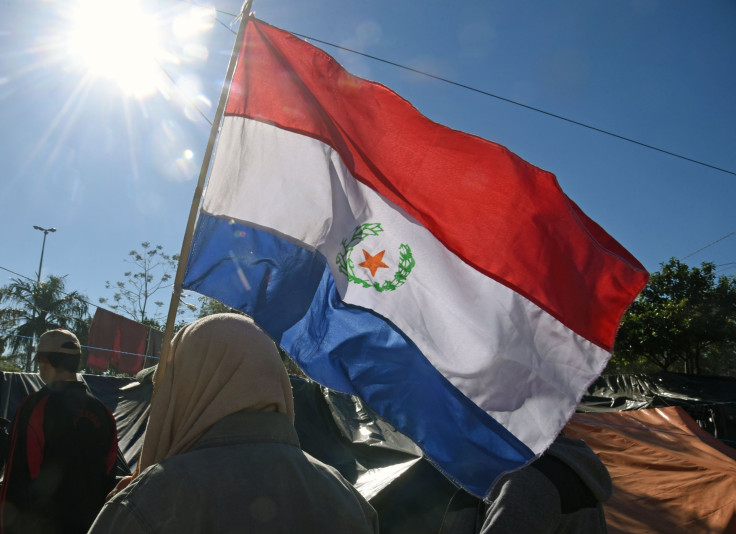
441	278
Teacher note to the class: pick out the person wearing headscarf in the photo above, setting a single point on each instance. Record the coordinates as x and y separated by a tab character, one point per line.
221	453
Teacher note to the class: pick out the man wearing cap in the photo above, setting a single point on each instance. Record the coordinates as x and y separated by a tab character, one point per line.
63	448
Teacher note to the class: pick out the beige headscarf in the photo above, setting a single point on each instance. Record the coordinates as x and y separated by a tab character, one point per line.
217	366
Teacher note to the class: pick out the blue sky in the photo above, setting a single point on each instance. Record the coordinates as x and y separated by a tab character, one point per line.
109	169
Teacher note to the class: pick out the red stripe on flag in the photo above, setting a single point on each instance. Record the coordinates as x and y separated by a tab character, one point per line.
505	217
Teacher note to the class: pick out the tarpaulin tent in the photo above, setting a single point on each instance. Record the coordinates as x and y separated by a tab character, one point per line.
669	475
710	400
338	429
388	468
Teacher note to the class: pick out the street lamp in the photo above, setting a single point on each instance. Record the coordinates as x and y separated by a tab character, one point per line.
38	283
45	233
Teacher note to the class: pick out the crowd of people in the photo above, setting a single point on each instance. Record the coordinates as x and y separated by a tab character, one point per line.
221	454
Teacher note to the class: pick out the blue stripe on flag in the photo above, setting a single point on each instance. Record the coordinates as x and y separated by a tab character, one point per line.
291	294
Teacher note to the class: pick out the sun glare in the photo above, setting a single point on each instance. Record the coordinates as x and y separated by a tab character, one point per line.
118	41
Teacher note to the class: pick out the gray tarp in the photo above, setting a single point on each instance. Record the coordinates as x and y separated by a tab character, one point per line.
410	495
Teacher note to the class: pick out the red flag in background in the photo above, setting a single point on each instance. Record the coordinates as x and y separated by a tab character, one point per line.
116	341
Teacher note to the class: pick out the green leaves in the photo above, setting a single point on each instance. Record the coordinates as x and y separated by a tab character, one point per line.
30	309
151	272
345	264
683	320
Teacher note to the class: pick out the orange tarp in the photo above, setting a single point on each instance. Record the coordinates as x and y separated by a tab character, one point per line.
668	474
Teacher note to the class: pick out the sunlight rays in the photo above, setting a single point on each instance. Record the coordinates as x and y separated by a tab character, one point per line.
64	120
132	62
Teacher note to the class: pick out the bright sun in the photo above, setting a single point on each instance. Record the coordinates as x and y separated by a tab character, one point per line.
119	41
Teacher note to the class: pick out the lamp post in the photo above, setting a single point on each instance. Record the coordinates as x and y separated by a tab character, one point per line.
43	246
38	283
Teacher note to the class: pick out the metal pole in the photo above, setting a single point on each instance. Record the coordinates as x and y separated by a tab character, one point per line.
43	247
33	303
40	263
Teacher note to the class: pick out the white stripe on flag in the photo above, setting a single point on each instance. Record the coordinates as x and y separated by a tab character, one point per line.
503	352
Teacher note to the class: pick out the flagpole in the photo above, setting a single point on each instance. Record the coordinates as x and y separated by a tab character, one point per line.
189	232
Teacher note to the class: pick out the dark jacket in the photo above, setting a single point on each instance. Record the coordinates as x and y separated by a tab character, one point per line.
59	467
245	474
560	493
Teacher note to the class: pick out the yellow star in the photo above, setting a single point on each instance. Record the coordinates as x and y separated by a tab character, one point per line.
373	263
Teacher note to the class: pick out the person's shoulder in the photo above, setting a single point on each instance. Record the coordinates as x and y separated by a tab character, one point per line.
32	399
144	483
71	389
140	504
65	388
158	487
39	393
321	466
363	513
330	474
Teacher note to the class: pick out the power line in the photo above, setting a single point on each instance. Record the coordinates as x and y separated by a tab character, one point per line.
709	245
574	418
171	79
228	28
79	298
97	348
62	292
234	16
731	265
526	106
18	274
492	95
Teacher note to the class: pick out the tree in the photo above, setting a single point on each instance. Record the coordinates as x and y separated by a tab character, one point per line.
684	318
210	306
30	309
133	296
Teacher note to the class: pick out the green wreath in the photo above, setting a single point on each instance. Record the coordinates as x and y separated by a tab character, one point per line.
346	266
